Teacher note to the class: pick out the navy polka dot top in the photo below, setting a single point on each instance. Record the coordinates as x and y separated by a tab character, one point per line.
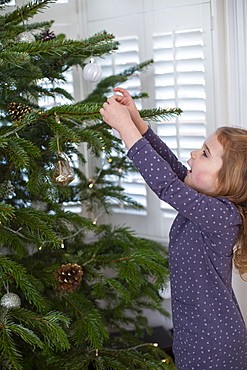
209	331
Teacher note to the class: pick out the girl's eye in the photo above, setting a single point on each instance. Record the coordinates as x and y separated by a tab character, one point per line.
204	153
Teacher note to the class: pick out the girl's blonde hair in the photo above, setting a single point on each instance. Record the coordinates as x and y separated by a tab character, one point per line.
232	184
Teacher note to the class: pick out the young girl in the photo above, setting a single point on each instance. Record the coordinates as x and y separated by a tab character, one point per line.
211	200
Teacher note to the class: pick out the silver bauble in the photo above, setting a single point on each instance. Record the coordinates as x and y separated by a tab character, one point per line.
10	300
25	37
92	72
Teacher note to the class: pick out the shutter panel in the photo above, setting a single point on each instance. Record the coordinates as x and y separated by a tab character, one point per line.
180	82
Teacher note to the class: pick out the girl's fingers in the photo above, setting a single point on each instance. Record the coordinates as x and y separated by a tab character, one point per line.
110	101
118	98
122	91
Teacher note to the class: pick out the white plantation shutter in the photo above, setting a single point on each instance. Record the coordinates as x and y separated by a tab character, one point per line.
180	82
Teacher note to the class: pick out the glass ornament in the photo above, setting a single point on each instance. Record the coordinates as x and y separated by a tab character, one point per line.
92	72
10	300
62	174
25	37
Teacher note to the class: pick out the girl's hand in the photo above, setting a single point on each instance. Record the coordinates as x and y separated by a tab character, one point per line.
126	100
118	117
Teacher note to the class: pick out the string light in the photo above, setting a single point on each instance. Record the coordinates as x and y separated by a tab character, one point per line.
91	184
164	360
41	246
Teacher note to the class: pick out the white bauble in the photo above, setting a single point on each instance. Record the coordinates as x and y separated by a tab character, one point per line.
25	37
10	300
92	72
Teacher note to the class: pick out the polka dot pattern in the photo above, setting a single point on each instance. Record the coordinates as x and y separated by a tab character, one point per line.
209	331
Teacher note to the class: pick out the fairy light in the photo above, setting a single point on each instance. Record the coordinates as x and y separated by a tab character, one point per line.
91	184
155	344
41	246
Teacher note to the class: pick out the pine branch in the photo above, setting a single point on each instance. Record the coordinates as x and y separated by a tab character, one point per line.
50	327
7	212
84	111
15	58
24	12
160	113
10	356
91	112
18	150
70	52
89	324
12	271
27	335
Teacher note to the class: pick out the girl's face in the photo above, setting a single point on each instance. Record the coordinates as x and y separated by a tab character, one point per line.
205	164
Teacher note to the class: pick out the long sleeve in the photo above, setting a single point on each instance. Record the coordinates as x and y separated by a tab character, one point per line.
165	152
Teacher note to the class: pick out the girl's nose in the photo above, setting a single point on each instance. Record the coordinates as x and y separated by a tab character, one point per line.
193	154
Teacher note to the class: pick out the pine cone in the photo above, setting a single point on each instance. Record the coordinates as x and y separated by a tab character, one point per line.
69	277
6	190
47	35
18	110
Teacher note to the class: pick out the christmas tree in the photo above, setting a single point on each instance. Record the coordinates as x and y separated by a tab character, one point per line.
70	287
